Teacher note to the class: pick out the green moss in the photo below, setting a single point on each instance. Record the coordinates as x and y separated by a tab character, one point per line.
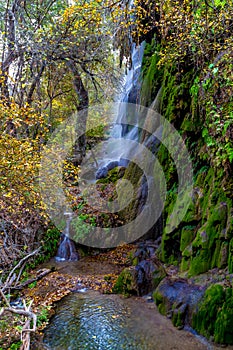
152	76
206	228
187	236
176	100
230	256
160	302
158	276
125	283
113	176
178	318
186	255
167	247
223	331
207	245
133	174
169	168
214	316
193	213
205	318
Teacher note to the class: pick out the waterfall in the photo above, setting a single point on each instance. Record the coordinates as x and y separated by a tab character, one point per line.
116	154
67	250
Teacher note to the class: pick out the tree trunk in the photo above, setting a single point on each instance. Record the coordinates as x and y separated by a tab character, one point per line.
79	148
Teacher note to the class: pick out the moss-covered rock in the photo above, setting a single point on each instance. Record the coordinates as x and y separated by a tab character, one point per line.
152	75
126	283
177	298
112	176
208	247
187	235
214	314
209	311
160	302
202	240
140	279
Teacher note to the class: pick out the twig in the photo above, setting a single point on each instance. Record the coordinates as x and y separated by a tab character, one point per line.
4	298
20	263
20	273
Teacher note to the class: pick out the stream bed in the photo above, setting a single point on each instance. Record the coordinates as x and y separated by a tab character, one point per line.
94	321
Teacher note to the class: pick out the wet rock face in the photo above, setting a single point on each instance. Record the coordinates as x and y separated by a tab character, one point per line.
177	299
145	270
146	273
101	173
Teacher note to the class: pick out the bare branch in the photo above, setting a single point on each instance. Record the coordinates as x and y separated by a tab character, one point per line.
20	263
4	298
25	334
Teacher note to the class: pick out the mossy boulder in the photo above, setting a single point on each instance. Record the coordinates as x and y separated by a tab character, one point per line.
126	283
140	279
176	298
112	176
214	315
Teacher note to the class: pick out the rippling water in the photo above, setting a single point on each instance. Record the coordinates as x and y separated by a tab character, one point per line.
108	322
89	321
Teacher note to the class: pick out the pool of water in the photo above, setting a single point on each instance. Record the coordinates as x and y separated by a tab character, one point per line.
93	321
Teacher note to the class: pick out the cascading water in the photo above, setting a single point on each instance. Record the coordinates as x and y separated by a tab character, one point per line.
67	250
115	152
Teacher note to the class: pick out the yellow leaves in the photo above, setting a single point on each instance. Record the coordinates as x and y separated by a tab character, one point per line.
68	13
8	194
19	161
86	16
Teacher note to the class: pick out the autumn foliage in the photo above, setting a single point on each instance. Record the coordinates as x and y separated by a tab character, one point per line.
21	208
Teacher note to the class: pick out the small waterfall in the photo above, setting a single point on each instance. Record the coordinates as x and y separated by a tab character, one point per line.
67	250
